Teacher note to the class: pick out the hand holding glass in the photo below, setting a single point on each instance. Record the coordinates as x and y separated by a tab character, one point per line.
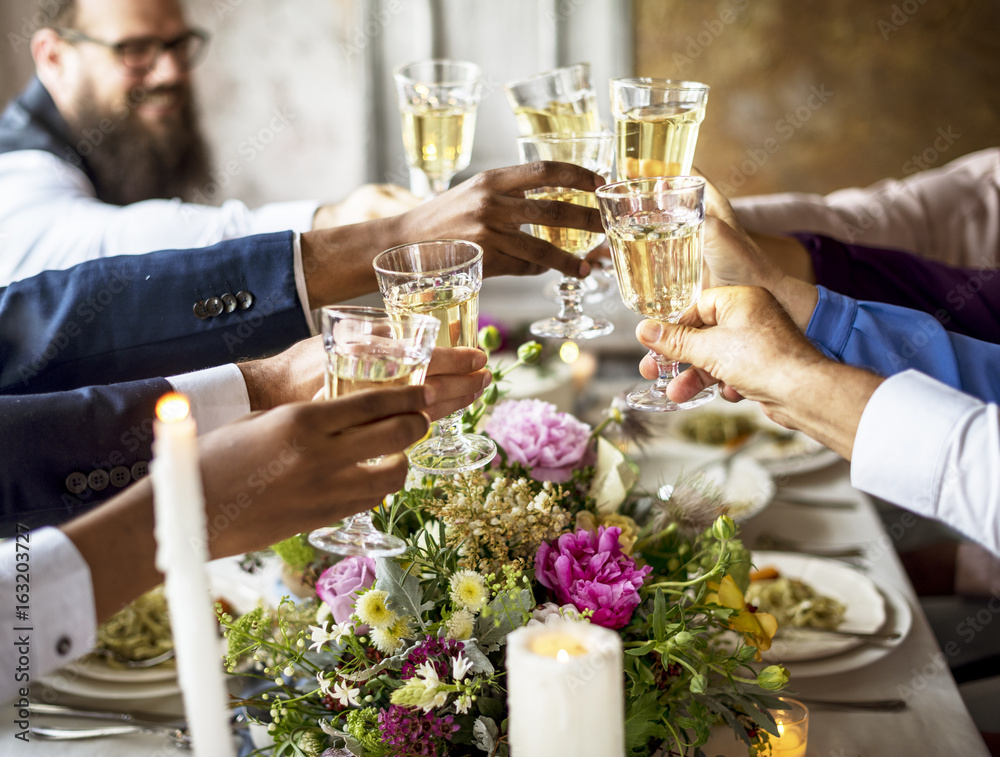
367	348
656	231
437	103
592	151
440	278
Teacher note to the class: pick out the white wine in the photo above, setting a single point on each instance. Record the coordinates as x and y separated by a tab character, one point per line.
354	367
438	141
560	117
657	142
455	305
658	261
574	241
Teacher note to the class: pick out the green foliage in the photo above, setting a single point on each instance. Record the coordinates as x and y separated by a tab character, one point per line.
296	551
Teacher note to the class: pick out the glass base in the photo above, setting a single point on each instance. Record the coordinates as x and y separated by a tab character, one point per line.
438	456
584	327
652	400
347	540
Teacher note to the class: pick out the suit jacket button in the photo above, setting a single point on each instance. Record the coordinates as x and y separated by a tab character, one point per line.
98	479
229	302
76	483
199	310
244	299
120	476
214	306
139	470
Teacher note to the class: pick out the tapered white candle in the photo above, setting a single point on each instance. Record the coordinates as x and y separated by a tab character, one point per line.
181	553
565	691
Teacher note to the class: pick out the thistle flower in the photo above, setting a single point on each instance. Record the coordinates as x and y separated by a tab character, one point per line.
460	625
468	590
693	503
372	609
389	639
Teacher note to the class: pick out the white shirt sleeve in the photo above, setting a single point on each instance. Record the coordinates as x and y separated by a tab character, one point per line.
933	450
217	395
47	614
50	219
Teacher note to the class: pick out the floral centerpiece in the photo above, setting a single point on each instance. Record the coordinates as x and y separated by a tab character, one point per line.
405	656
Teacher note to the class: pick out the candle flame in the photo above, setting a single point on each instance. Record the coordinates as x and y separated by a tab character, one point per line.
569	352
562	656
172	407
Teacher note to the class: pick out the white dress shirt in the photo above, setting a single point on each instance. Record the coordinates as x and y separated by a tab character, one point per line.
933	450
950	214
51	220
59	622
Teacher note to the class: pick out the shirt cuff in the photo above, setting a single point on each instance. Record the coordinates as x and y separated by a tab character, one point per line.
898	452
283	216
218	395
831	322
300	284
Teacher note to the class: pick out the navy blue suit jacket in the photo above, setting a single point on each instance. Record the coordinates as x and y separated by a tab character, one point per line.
132	317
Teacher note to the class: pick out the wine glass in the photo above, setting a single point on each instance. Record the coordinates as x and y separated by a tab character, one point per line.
440	278
368	348
656	230
561	101
656	125
437	102
593	151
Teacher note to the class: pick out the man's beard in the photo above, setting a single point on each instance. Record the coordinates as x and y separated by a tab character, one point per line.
132	163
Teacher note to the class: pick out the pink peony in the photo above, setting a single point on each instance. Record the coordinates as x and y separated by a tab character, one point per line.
337	585
551	444
589	571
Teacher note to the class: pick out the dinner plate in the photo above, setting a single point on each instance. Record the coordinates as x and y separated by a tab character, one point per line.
864	606
67	681
98	669
796	454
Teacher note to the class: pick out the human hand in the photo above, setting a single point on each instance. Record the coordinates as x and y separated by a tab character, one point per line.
294	375
457	376
490	208
368	202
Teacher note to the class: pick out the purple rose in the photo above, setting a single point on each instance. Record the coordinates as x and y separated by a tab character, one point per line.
551	444
337	585
589	571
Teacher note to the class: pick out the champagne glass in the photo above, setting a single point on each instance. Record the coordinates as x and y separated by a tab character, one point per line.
656	125
561	101
656	230
592	151
440	278
437	102
368	348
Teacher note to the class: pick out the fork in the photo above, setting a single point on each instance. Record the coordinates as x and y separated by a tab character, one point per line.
179	737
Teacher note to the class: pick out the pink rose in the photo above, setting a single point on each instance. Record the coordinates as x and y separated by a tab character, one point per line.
532	432
337	585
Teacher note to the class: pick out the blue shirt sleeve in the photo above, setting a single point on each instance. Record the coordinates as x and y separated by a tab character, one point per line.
888	339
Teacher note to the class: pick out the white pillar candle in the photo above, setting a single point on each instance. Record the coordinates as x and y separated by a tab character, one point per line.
181	553
565	691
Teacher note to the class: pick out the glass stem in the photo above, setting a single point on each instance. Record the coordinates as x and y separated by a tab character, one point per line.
450	434
570	299
360	523
439	184
667	370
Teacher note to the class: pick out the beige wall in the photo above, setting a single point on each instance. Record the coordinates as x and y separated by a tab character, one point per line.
892	77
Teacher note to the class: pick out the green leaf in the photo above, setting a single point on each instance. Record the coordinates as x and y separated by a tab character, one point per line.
485	732
490	708
481	664
645	649
660	616
506	612
403	588
642	720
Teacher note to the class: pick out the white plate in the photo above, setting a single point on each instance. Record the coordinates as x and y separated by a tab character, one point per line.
68	682
97	669
864	606
800	454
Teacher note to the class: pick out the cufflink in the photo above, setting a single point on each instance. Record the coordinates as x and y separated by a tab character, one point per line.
63	646
139	470
120	476
98	479
76	483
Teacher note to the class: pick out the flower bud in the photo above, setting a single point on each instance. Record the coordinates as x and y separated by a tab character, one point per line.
724	528
682	639
490	395
698	684
489	338
529	353
772	677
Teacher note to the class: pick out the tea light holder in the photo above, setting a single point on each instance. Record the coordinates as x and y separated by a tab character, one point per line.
793	729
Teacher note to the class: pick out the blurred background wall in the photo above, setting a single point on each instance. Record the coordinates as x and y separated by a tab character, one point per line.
806	94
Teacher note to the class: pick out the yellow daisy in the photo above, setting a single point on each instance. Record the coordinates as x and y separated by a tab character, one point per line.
468	590
372	610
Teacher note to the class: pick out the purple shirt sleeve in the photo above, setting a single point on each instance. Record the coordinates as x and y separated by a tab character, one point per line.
963	300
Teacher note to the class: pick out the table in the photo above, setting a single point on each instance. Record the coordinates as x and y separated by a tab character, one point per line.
936	721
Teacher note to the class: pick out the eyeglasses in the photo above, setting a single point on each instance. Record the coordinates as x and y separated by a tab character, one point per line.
140	54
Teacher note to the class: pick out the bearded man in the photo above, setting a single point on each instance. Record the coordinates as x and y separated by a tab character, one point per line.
98	149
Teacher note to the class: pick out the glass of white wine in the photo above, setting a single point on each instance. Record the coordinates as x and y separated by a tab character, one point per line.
440	278
656	230
656	125
592	151
368	348
437	102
